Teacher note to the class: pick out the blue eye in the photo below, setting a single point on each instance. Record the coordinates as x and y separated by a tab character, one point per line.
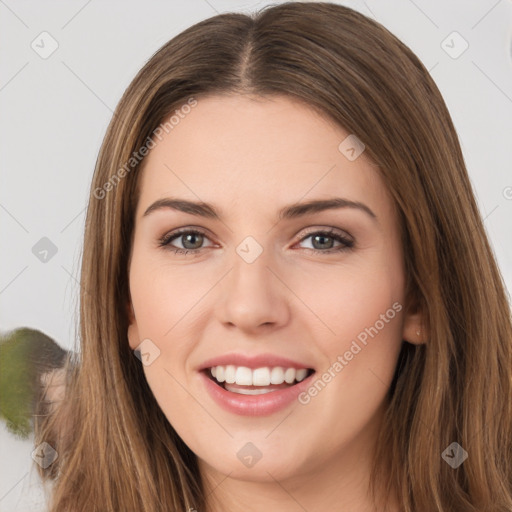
322	241
327	239
188	237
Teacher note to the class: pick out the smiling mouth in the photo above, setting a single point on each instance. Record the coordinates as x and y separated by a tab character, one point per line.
247	381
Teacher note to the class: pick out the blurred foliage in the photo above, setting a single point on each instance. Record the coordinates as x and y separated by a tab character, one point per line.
25	354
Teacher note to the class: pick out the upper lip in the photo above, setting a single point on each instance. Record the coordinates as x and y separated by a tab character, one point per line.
253	362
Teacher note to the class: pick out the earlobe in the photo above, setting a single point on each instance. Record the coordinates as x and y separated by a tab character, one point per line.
413	330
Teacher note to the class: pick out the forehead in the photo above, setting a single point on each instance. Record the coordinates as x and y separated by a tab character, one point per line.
251	150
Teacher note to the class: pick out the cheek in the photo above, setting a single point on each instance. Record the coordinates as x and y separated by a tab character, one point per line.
164	305
349	301
361	312
169	301
162	295
365	312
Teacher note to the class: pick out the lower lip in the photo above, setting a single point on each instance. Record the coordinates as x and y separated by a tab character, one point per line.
254	405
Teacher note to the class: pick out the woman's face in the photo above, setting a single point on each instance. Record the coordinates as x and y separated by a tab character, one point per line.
269	289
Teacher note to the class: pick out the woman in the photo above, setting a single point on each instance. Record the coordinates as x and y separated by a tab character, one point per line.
282	230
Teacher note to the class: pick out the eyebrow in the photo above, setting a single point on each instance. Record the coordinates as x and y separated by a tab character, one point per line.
293	211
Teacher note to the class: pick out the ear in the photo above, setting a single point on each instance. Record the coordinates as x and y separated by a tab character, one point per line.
414	330
133	330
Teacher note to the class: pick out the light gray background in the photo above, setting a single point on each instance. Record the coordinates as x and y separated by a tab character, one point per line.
54	113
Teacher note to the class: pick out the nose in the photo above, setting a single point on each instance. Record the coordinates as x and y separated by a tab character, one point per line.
253	297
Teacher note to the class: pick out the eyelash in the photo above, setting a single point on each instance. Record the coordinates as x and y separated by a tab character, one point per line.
346	242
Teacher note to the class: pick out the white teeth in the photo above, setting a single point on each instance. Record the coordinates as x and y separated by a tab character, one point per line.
301	374
220	373
242	391
261	377
243	376
230	374
277	375
289	375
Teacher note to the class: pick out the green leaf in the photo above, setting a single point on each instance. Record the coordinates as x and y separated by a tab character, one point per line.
25	354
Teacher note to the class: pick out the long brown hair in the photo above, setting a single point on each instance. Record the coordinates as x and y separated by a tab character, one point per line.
119	452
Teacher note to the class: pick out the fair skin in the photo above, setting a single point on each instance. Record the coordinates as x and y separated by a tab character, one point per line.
250	157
